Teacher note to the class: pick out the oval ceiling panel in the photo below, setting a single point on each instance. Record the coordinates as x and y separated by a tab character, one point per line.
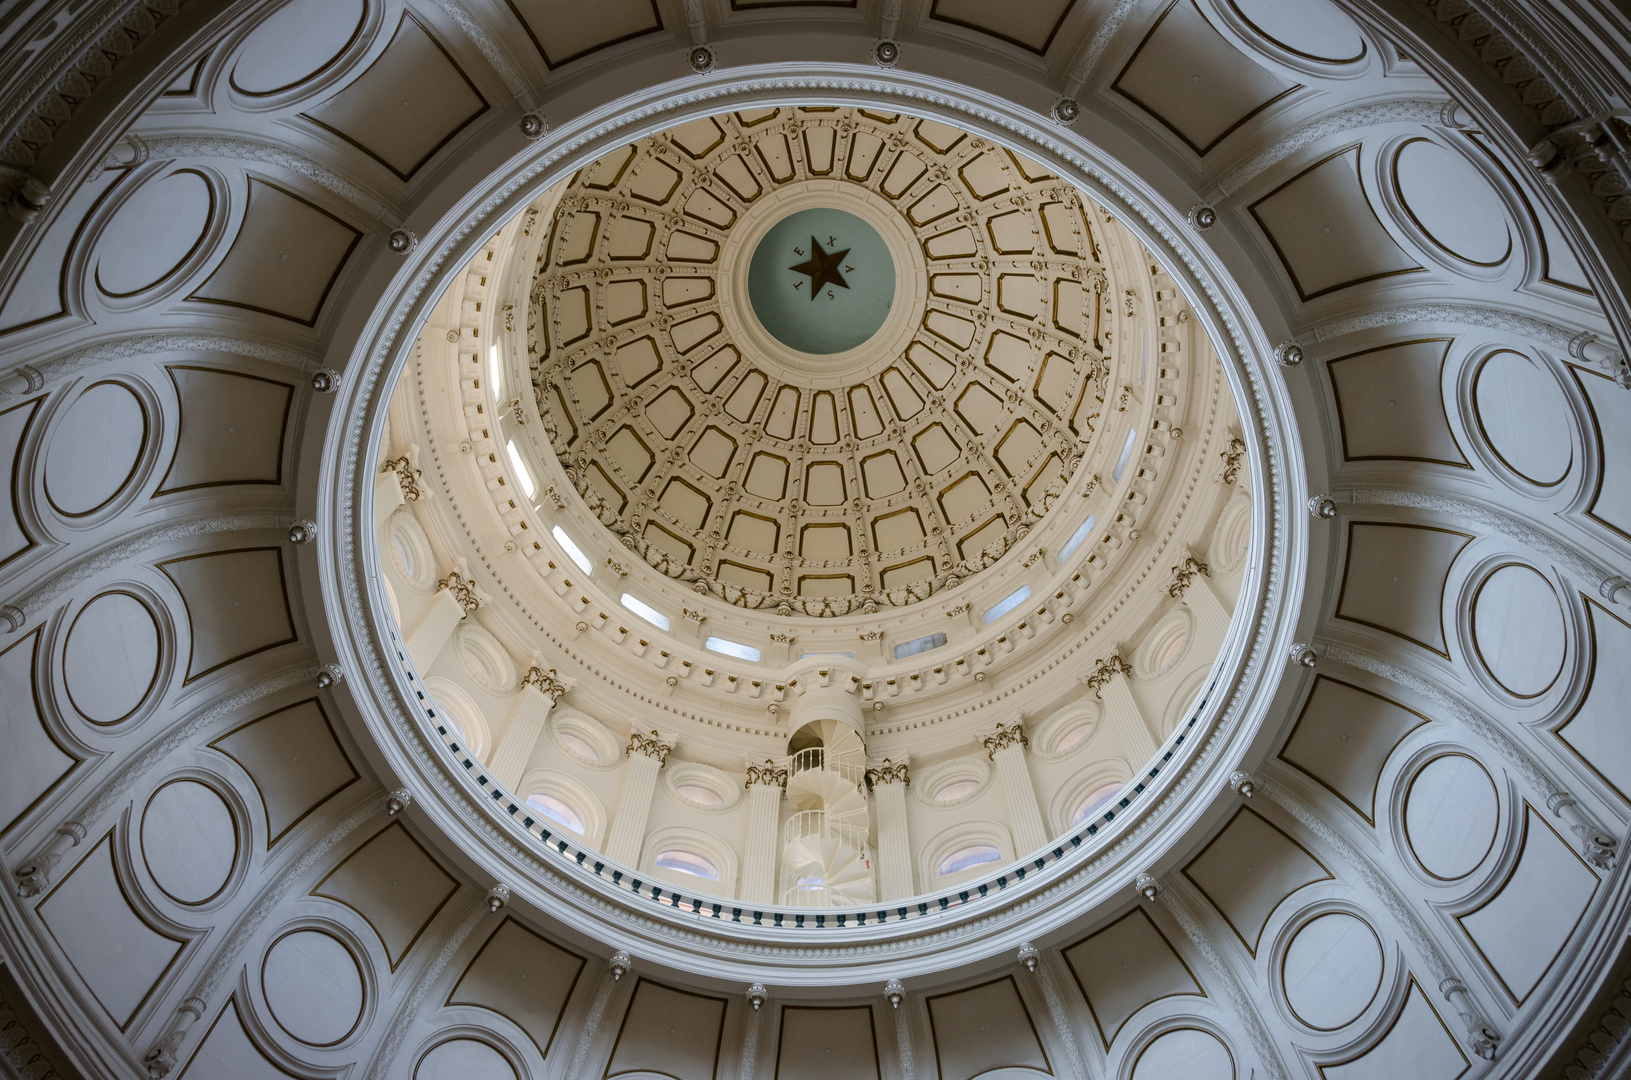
1332	971
1450	815
1188	1052
297	42
313	987
1452	203
111	660
1523	414
1315	29
189	841
154	233
95	449
1518	630
464	1059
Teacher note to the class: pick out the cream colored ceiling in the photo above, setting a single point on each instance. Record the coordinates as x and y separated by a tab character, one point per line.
931	457
227	887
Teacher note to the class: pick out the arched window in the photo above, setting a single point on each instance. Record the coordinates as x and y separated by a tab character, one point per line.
460	714
686	862
1077	537
1095	801
557	803
557	810
966	856
584	738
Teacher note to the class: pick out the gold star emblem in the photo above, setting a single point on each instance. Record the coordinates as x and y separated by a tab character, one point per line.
822	268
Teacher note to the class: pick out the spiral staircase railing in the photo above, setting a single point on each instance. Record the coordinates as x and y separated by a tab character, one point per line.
826	858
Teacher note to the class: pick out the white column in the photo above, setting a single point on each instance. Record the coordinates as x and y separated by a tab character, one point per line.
387	496
767	782
540	690
889	780
1211	619
647	752
434	629
1006	749
1121	711
397	482
456	597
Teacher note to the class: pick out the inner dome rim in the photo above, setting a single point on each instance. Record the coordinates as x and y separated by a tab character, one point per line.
1217	300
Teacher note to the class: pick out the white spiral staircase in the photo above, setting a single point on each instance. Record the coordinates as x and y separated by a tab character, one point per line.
826	860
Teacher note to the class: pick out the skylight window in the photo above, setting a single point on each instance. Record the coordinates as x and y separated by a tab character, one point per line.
731	648
1126	454
848	654
572	550
1008	603
527	483
493	370
919	645
646	612
1077	537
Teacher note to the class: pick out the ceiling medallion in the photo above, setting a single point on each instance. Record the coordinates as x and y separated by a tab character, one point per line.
821	281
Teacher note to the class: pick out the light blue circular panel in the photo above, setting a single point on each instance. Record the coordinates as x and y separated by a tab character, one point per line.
839	317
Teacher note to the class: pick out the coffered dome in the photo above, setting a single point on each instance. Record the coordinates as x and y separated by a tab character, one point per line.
794	539
877	437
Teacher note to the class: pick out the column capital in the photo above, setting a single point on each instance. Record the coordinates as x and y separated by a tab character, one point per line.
1003	737
408	473
888	771
1233	458
652	744
1104	671
462	587
767	774
1184	573
548	682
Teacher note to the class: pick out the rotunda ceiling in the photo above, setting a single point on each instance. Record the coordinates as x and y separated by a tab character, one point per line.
816	358
324	753
1019	321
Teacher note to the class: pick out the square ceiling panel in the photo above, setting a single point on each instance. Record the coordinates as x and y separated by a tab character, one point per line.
1187	75
564	31
1032	25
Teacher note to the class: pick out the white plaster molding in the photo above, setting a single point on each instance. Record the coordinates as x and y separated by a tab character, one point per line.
514	82
1480	1032
410	1010
1373	114
1262	1045
265	153
57	368
1598	845
1459	507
